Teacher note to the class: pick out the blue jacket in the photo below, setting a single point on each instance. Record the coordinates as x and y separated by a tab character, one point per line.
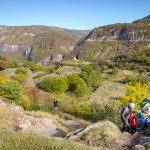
142	119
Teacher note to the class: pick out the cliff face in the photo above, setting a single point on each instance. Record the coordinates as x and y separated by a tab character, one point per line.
111	40
39	43
121	32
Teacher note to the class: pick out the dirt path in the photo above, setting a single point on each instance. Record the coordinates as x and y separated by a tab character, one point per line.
50	129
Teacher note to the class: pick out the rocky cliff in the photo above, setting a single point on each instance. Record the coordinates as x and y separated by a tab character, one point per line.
38	43
113	40
122	32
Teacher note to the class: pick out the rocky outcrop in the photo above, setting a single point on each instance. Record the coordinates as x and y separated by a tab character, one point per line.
13	48
43	61
104	135
46	124
120	32
38	43
58	57
79	132
18	120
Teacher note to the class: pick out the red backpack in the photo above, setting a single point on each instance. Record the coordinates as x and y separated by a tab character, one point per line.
133	121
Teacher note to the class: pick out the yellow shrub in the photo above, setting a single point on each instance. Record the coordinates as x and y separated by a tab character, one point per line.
135	93
4	79
26	102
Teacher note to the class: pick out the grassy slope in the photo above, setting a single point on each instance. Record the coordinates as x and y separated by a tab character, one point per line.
25	141
110	87
95	49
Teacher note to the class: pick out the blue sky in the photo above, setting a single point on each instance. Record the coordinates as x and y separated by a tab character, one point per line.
73	14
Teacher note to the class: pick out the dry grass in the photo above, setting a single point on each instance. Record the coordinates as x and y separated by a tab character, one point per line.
9	116
25	141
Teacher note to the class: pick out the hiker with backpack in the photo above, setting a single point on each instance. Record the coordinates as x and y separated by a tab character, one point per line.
133	122
124	113
143	121
55	104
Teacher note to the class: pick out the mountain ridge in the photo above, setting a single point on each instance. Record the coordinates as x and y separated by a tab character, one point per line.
143	20
44	44
107	42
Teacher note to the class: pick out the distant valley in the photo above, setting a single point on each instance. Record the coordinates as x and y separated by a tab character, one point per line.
41	44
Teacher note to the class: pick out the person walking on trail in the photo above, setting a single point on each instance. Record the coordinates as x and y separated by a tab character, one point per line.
124	114
133	122
55	104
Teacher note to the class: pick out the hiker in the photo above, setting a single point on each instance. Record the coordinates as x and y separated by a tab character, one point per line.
142	121
55	104
124	114
133	122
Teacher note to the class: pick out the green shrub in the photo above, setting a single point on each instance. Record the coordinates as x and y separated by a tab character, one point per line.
90	75
57	86
14	92
80	109
147	132
77	85
26	102
21	78
107	112
11	64
73	83
39	75
36	68
21	71
134	79
46	84
130	79
33	67
85	110
49	70
8	64
11	91
81	89
115	71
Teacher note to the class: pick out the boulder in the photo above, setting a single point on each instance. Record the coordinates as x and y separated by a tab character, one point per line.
24	123
139	147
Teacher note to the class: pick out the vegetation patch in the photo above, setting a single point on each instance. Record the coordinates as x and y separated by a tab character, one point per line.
91	75
25	141
13	91
73	83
